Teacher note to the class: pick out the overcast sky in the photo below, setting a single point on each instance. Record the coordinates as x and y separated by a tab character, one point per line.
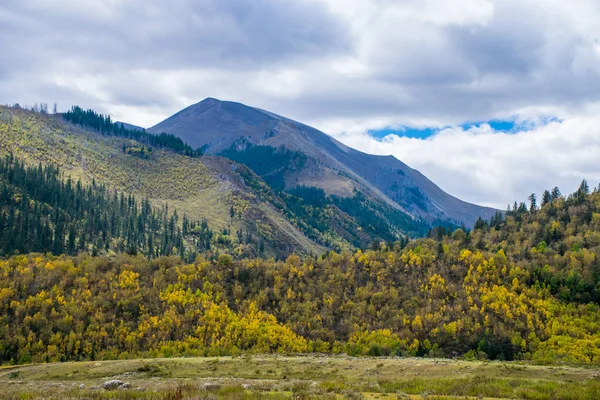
352	68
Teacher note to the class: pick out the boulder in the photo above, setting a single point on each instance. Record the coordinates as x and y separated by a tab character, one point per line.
211	386
112	384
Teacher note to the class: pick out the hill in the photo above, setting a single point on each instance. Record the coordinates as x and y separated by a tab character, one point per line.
301	155
202	188
523	286
42	212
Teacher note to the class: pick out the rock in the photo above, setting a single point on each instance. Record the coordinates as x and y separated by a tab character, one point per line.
82	386
211	386
246	386
126	385
112	384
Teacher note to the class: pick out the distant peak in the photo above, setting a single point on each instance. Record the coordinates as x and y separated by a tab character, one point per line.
210	100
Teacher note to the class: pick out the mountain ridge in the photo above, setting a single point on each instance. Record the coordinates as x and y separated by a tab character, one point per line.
218	125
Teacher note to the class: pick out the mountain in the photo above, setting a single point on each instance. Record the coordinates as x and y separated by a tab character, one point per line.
246	216
295	190
288	154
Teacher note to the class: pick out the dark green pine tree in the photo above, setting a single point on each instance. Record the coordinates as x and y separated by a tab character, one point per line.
43	211
105	126
546	198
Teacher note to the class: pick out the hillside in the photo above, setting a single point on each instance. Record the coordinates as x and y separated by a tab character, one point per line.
42	212
523	286
203	188
234	130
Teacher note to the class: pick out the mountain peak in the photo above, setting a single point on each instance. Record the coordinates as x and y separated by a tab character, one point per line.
210	100
217	125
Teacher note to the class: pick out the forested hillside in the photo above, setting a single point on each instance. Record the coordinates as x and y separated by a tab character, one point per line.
41	210
201	188
318	214
525	285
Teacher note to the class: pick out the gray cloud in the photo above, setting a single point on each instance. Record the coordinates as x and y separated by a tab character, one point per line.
345	66
415	61
101	49
182	34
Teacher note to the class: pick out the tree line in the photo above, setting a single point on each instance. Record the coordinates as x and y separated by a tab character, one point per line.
104	125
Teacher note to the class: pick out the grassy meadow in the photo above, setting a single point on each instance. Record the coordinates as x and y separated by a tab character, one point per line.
284	377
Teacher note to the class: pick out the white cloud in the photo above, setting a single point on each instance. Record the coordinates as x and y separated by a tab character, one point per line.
496	168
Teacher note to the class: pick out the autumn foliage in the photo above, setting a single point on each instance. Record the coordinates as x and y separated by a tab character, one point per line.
522	286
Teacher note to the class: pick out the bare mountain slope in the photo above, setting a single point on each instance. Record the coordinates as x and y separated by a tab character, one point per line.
230	128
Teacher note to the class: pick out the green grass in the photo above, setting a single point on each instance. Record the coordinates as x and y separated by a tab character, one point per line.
276	377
